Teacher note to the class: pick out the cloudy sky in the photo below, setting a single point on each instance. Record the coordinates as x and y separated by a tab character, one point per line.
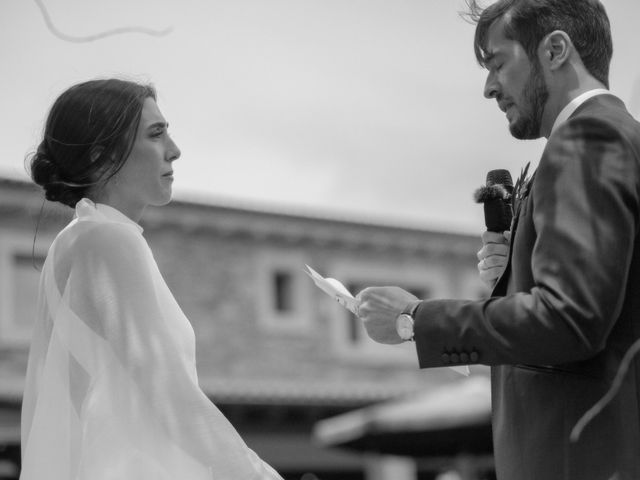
365	109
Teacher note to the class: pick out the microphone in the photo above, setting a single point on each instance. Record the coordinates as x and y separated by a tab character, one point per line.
496	197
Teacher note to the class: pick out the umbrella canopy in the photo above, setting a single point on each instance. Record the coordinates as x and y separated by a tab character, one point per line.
451	420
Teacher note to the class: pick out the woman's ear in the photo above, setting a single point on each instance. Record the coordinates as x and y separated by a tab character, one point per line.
98	165
95	153
555	49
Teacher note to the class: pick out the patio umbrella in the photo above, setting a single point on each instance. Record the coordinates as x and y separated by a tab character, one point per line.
452	420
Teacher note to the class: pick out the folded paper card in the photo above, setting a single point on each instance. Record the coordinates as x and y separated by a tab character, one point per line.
336	290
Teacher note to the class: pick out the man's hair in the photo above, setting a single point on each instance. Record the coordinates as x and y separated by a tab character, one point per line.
528	21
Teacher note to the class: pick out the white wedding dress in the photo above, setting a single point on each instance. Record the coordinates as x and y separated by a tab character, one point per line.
111	389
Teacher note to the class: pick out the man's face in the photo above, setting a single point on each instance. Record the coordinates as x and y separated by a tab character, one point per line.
516	83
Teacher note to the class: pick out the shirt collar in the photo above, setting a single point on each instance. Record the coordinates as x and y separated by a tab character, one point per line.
571	107
88	210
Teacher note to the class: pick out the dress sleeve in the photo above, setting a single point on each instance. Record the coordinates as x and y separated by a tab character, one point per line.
141	362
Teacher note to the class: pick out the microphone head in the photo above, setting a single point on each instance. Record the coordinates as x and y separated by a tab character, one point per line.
500	177
491	192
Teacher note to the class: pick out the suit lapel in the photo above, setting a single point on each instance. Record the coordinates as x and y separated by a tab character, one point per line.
601	101
521	196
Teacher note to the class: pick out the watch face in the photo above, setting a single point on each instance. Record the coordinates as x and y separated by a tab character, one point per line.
404	327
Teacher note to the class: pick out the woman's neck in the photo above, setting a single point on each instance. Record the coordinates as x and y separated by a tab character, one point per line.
131	209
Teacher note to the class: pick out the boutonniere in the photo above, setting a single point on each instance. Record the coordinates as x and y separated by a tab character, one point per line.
521	189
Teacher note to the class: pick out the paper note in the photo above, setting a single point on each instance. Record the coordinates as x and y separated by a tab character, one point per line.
336	290
462	370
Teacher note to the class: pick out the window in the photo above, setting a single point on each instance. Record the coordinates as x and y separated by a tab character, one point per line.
26	271
283	291
283	284
19	279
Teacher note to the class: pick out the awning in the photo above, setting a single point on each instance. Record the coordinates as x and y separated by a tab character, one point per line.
9	424
451	420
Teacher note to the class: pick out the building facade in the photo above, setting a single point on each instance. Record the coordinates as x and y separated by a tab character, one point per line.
274	353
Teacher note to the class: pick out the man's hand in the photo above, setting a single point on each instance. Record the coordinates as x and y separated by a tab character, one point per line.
493	256
378	309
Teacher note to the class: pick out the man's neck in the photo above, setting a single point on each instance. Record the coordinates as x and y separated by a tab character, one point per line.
561	99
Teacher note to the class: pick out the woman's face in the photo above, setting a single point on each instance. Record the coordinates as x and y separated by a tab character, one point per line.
147	175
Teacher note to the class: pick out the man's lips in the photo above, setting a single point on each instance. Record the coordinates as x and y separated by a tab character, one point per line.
504	106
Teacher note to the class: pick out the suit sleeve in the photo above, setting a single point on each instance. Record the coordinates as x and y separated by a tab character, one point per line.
585	215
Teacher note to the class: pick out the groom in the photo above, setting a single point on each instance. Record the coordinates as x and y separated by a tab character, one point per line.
567	305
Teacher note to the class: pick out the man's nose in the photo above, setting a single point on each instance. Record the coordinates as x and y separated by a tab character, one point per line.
490	87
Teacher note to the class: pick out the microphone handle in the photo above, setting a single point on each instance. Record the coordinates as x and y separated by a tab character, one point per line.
497	215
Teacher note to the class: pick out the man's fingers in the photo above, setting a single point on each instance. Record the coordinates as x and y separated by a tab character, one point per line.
491	263
492	237
494	261
490	275
493	273
491	249
493	255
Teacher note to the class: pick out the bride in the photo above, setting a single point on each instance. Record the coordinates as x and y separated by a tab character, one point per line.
111	389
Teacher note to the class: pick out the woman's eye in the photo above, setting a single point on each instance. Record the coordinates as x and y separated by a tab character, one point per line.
157	133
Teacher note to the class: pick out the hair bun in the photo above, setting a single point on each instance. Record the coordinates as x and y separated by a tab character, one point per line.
98	116
45	172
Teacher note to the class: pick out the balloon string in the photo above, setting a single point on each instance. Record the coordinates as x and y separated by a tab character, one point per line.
90	38
613	390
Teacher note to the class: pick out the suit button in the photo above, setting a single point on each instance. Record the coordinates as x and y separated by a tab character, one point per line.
445	358
455	358
474	356
464	357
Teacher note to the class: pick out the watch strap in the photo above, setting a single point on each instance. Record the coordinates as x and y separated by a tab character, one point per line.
411	309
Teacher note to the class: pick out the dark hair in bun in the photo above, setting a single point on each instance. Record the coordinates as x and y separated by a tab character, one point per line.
88	136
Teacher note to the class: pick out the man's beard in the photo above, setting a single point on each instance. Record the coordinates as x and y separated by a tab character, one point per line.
536	94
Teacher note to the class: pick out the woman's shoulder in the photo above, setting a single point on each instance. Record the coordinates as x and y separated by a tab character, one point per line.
104	238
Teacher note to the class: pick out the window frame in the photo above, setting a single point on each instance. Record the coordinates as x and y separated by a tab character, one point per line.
14	243
270	262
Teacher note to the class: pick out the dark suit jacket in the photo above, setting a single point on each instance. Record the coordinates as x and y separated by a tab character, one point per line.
565	310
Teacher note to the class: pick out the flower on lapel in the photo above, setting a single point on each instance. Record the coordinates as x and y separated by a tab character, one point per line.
521	189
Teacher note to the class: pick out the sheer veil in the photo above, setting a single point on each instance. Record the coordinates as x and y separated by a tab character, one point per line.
111	389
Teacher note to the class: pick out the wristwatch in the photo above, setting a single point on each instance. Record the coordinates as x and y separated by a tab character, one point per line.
404	321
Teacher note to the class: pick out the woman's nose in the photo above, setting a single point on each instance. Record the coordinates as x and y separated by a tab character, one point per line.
174	151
